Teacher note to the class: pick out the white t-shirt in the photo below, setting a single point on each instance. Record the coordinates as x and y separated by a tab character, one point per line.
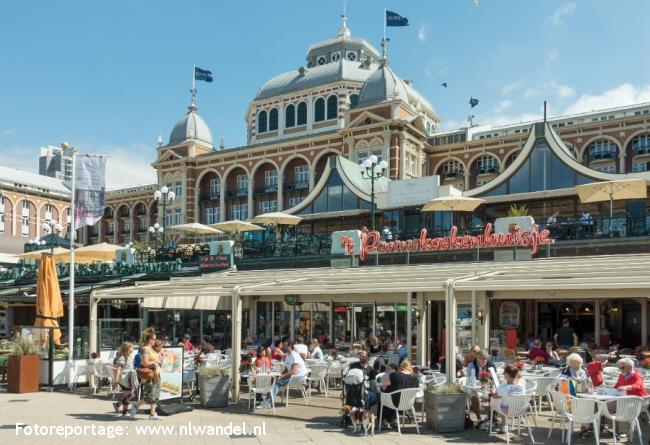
317	353
294	358
301	348
506	389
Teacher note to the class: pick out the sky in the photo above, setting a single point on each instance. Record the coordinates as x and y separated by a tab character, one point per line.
110	76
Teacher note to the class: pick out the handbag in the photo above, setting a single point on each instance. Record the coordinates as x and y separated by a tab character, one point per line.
147	374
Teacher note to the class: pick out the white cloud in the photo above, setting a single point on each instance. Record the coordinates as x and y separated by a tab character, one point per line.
507	119
9	131
549	89
15	157
503	106
452	125
563	91
512	87
557	18
436	70
423	32
129	166
530	92
624	94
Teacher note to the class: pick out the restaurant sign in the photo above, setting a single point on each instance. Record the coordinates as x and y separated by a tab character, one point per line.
372	241
214	263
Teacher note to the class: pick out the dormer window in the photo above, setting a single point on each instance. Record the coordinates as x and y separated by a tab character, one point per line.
351	56
336	57
321	60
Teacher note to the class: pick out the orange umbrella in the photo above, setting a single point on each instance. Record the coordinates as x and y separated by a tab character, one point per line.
49	306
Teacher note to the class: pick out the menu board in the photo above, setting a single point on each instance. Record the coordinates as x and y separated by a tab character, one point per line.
509	315
171	373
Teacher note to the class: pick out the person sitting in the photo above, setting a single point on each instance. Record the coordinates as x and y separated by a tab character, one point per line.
402	379
276	353
370	373
511	387
537	351
552	220
574	368
630	380
471	355
587	223
553	356
300	347
460	370
374	347
403	348
530	341
262	361
315	351
186	344
473	372
294	367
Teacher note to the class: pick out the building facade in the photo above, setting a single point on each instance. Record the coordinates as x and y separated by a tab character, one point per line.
55	163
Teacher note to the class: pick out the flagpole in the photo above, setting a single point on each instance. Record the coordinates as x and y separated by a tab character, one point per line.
71	303
193	78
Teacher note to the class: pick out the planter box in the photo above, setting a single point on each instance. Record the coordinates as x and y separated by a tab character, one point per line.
214	391
23	373
445	412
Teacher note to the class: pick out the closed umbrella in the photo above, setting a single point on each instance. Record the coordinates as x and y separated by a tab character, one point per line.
612	190
452	204
49	306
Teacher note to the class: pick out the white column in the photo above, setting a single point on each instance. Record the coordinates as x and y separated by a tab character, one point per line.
222	201
236	341
280	193
131	226
644	321
409	325
281	119
423	320
115	226
250	198
597	323
474	336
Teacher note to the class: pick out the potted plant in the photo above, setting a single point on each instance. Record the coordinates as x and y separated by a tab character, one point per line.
214	385
246	365
485	378
23	367
445	408
539	363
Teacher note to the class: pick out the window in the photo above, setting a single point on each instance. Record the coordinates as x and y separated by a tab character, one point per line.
168	217
319	110
301	175
111	228
273	119
127	228
25	208
602	149
2	203
610	168
290	116
178	188
487	165
142	226
411	164
332	107
302	113
363	155
68	214
177	216
239	211
321	60
641	145
639	167
261	122
452	169
25	226
351	56
354	100
212	215
271	180
268	206
294	201
336	57
242	184
215	188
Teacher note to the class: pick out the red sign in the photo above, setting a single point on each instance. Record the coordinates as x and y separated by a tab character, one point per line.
211	263
372	242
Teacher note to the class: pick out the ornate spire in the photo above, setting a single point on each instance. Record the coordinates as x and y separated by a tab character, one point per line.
344	31
384	51
192	108
160	140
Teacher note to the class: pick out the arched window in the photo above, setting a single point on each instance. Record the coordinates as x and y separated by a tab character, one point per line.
273	119
261	122
487	165
602	149
332	107
354	100
290	116
302	113
319	110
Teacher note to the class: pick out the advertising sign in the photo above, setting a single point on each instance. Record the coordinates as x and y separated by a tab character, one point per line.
171	373
90	190
214	263
412	192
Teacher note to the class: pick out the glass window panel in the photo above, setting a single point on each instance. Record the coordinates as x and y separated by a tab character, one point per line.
363	320
261	122
349	199
341	326
302	113
385	324
321	323
319	110
282	320
332	107
290	116
273	119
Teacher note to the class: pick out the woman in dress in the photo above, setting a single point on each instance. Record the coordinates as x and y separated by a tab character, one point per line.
125	377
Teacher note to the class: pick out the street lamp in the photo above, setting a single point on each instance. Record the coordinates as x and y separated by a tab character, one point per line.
372	170
166	196
156	230
50	230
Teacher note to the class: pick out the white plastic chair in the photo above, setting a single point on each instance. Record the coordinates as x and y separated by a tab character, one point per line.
189	374
611	371
336	372
277	366
406	403
628	409
300	384
86	369
543	384
584	411
263	385
102	371
512	407
558	401
319	375
499	365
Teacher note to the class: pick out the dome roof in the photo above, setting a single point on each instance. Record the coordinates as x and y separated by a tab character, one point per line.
382	85
191	127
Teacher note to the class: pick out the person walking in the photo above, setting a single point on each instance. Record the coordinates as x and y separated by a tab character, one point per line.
150	376
566	336
125	377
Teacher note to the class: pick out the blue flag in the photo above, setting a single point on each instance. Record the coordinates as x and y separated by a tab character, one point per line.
473	102
394	19
200	74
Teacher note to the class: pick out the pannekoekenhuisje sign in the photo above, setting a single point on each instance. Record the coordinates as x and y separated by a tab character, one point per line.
372	242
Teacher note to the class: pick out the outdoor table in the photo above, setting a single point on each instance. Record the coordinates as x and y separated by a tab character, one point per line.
609	394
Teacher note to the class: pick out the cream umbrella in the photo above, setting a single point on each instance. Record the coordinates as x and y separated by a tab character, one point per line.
279	218
196	229
96	253
59	254
236	226
612	190
452	204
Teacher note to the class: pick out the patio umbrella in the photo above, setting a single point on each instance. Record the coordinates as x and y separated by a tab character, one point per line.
279	218
49	306
96	253
59	254
196	229
452	204
612	190
236	226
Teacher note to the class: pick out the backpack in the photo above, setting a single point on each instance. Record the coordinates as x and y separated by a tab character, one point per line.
137	361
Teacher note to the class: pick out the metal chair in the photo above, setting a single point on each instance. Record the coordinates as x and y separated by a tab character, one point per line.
628	409
512	407
263	385
300	383
583	411
406	403
394	359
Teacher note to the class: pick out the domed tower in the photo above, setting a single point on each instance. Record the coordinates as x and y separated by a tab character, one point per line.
191	136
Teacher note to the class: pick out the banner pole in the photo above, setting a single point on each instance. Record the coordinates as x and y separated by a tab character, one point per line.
193	78
71	304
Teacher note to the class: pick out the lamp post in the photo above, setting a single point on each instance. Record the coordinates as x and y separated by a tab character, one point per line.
372	170
50	230
166	196
156	230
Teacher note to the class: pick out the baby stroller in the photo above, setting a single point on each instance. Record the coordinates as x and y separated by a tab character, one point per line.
353	394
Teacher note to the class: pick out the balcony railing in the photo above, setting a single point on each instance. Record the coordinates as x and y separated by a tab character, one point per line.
296	185
453	175
487	170
638	150
621	226
210	197
238	193
267	189
602	155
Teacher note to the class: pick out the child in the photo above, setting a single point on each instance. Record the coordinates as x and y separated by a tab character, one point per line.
510	388
125	377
